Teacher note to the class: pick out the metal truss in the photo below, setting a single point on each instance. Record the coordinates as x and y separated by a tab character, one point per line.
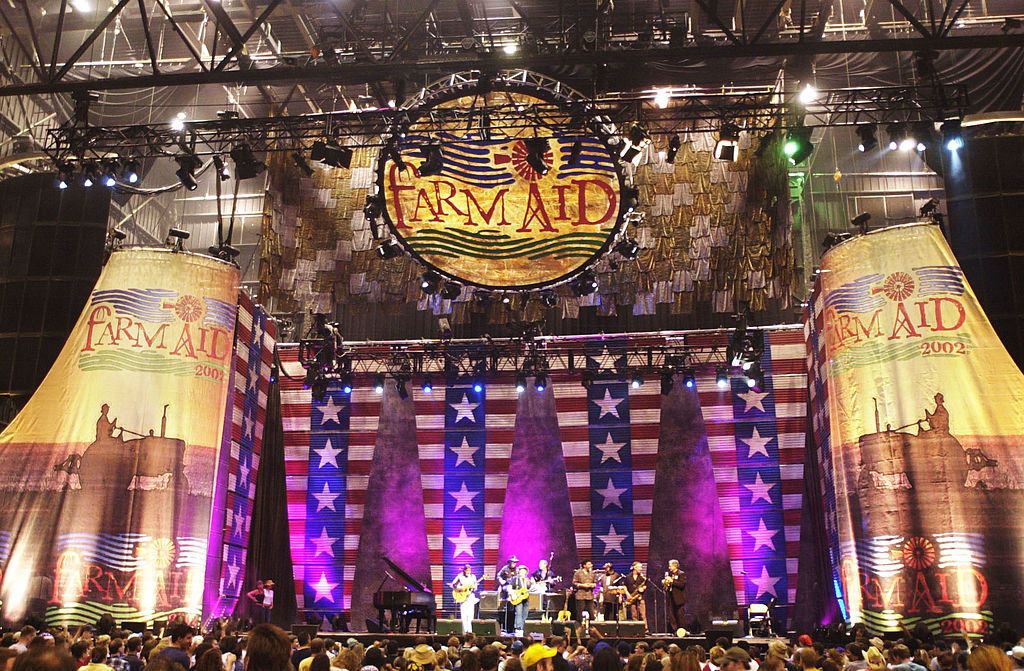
757	110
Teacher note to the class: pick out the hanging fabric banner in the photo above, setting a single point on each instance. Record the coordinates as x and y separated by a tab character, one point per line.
919	418
108	472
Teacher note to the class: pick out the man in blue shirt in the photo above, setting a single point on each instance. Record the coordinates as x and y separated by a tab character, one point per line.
181	642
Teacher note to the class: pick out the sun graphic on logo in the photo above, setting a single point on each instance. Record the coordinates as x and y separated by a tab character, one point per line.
898	286
918	553
188	308
520	164
157	553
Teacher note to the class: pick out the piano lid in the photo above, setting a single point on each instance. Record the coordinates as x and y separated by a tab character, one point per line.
410	582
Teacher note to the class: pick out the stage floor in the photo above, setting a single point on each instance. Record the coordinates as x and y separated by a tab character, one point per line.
407	640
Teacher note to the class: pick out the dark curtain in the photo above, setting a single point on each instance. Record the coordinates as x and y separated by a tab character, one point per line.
269	548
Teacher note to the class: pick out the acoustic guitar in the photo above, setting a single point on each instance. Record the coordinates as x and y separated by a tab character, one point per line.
517	596
460	594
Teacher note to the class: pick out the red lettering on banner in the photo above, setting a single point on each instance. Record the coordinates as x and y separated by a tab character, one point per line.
441	200
582	195
921	600
397	189
185	343
561	189
903	323
535	210
486	216
96	318
939	322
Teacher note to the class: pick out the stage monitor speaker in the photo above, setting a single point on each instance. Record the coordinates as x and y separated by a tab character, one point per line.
606	629
134	627
714	633
535	602
539	627
556	602
558	627
449	628
309	629
485	627
632	629
488	601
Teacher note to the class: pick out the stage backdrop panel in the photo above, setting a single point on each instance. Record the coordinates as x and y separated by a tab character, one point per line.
608	435
918	420
108	473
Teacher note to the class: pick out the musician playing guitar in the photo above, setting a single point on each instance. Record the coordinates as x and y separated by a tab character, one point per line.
519	597
505	577
464	592
636	584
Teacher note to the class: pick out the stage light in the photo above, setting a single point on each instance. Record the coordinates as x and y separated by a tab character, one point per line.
868	134
727	148
223	174
247	165
755	376
510	49
666	381
396	158
346	383
273	374
309	378
674	143
186	172
433	159
628	248
637	381
110	172
548	298
662	97
574	152
536	148
176	239
952	135
65	170
631	197
689	377
587	379
131	171
428	385
638	141
861	221
808	94
478	387
451	290
430	282
91	174
834	238
389	249
331	154
585	284
520	383
722	377
178	122
930	206
540	381
372	207
301	164
319	389
798	145
378	383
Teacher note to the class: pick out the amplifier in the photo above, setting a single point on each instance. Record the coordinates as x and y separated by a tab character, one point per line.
449	628
485	627
488	601
539	627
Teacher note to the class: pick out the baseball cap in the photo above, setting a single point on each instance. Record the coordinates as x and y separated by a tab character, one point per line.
517	646
805	640
734	654
535	653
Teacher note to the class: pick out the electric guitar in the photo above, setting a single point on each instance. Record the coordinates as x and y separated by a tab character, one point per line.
542	586
460	594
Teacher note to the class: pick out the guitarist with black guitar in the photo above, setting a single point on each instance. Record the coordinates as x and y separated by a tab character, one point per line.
636	584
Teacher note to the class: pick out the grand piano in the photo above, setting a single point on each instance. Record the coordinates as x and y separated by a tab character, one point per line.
413	600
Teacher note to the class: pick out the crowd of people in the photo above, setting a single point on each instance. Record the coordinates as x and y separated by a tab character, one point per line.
269	648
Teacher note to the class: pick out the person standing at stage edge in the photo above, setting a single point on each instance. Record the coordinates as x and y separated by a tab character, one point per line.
584	580
674	583
263	597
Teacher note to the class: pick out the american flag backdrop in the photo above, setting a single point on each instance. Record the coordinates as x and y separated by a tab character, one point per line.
253	357
609	436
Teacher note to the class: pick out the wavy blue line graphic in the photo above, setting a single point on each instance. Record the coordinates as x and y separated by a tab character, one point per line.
220	313
856	296
940	280
146	304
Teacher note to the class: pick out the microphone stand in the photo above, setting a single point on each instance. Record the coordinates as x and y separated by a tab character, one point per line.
663	600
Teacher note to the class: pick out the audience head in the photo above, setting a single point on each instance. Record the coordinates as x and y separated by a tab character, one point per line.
988	658
268	649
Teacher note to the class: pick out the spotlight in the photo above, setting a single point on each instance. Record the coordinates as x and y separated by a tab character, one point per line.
637	381
834	238
451	290
536	149
952	135
755	376
309	378
117	234
176	239
247	165
548	298
91	174
896	132
674	144
574	152
929	207
396	158
861	221
378	383
727	148
224	251
662	98
64	173
403	391
722	377
478	387
110	171
186	172
434	159
631	197
510	48
540	381
430	282
638	141
628	248
587	379
798	145
331	154
428	385
585	284
346	383
666	381
372	207
808	94
301	164
689	377
223	174
131	171
319	389
520	383
389	249
868	134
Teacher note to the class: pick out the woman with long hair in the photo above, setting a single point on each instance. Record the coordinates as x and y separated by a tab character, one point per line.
988	658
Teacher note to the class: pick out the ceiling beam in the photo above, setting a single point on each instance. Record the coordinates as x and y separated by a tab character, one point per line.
360	73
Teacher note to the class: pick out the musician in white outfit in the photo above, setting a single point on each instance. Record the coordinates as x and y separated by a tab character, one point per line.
464	587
